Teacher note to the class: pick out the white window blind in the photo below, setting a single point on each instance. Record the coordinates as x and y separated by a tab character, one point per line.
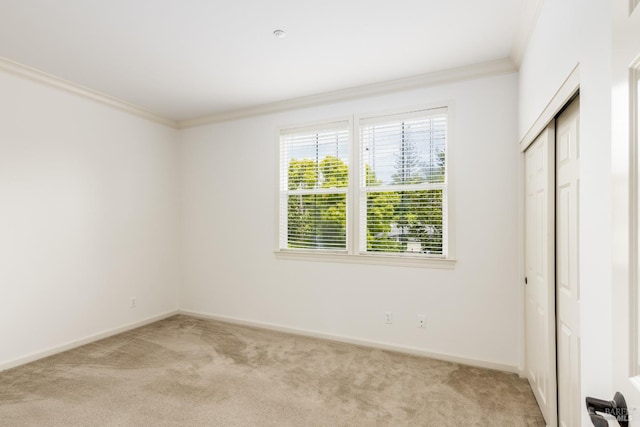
314	180
403	184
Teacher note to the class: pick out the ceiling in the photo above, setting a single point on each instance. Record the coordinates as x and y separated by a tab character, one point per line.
185	59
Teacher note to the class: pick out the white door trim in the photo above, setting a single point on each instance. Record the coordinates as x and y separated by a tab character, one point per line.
561	99
563	95
634	360
625	165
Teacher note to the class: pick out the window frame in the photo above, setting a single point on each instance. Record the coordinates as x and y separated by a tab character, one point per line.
281	209
353	253
404	115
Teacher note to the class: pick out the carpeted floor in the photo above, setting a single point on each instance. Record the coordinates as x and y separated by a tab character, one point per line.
184	371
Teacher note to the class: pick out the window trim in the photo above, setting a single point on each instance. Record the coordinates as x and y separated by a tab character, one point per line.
364	258
352	253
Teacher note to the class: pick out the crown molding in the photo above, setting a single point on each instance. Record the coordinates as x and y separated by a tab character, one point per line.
484	69
469	72
530	14
24	71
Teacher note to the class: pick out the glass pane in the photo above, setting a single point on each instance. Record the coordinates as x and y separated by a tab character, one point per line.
316	160
405	221
317	221
406	152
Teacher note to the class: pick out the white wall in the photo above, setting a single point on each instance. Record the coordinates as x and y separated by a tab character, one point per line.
229	206
567	33
88	218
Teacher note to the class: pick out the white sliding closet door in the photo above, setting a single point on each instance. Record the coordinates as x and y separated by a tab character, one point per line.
540	273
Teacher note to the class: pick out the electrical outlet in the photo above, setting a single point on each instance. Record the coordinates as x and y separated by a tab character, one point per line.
133	302
422	320
388	317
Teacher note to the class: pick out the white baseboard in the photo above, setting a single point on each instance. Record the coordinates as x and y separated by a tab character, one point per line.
357	341
521	373
77	343
264	325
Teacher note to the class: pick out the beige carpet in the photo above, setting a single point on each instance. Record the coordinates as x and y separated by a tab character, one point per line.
184	371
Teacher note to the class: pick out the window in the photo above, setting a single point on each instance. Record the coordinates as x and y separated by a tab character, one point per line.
383	192
314	179
403	183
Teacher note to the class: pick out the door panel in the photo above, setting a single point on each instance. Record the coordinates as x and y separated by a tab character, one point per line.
540	272
567	280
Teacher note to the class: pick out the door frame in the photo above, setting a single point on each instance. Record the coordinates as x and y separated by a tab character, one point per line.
567	91
625	168
569	88
563	96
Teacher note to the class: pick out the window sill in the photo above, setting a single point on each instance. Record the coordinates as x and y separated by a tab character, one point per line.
393	260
